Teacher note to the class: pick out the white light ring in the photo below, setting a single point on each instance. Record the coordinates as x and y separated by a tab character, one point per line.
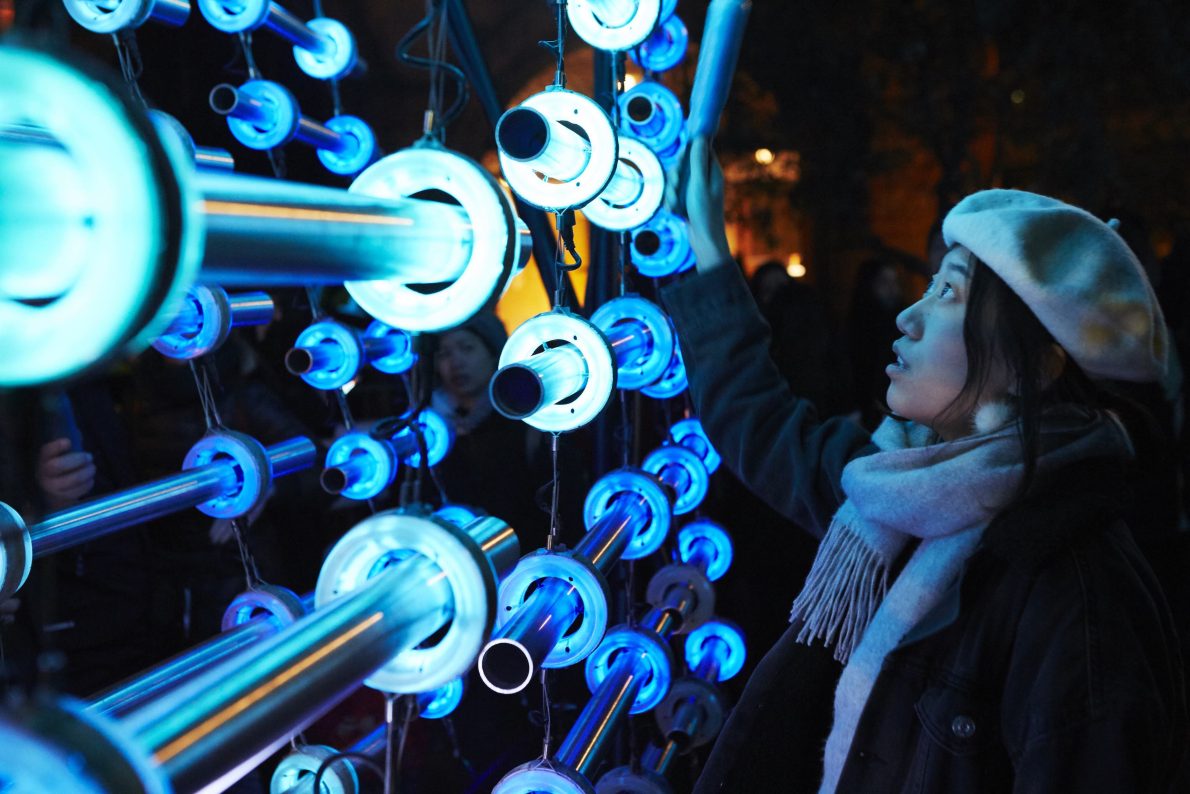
281	604
301	765
339	62
142	242
634	307
622	780
468	571
704	695
624	37
621	219
496	247
543	777
127	15
347	339
677	575
347	446
400	360
249	15
560	104
250	459
622	481
674	455
596	352
690	434
592	591
16	551
213	327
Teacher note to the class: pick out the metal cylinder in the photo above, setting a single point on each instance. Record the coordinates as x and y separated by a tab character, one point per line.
675	477
714	652
625	186
338	478
90	520
659	759
549	147
251	308
239	712
702	554
324	355
296	32
213	157
522	388
227	100
321	136
604	543
583	747
263	231
630	341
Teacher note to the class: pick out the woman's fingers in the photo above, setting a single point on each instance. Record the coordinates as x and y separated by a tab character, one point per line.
65	464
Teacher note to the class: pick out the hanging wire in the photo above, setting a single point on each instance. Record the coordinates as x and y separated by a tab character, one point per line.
558	44
131	65
434	26
334	81
200	369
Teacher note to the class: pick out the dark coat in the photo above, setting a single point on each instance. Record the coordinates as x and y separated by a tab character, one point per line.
1050	665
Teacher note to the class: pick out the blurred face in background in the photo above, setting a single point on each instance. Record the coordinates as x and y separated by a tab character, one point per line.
464	365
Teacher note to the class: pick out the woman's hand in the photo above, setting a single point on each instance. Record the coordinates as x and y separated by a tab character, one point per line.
699	185
62	475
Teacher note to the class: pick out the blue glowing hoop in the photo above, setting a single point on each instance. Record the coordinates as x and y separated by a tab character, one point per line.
673	382
253	471
377	470
361	150
438	434
238	17
283	116
111	17
341	56
661	247
440	702
458	514
703	529
665	49
543	777
650	367
402	358
632	481
208	333
657	659
281	604
303	763
349	354
734	651
585	20
653	113
636	157
697	479
690	434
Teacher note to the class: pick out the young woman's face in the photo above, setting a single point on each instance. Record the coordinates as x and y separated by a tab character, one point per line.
464	364
931	364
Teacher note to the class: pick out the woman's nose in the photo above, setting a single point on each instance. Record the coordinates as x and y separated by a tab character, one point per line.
908	322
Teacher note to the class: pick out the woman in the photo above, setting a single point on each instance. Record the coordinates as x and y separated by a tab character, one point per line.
992	625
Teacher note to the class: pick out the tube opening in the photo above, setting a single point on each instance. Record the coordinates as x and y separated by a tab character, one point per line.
505	666
223	98
646	243
640	109
333	480
522	133
299	361
516	391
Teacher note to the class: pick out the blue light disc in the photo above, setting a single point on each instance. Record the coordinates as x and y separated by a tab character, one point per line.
732	640
703	529
665	49
690	434
673	382
360	152
346	340
283	113
441	702
378	473
658	663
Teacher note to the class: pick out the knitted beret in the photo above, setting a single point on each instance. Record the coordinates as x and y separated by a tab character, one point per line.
489	329
1074	272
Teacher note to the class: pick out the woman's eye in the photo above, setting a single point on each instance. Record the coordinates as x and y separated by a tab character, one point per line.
945	290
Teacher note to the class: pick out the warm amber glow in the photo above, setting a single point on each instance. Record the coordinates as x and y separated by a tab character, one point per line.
795	268
764	156
242	209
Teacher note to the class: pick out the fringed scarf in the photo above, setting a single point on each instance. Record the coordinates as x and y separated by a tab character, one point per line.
943	493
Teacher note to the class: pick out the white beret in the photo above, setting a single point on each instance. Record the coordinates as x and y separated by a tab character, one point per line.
1075	273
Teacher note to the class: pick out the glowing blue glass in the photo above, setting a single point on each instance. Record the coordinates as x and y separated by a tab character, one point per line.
205	318
673	382
261	114
653	113
438	435
440	702
683	471
458	514
359	466
401	358
628	482
707	545
690	434
542	777
650	662
665	48
719	643
110	16
323	48
661	247
327	355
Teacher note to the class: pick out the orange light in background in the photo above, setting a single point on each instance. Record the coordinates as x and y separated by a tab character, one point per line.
764	156
795	268
8	14
629	81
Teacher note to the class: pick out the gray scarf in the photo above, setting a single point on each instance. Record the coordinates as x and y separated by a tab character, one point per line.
943	493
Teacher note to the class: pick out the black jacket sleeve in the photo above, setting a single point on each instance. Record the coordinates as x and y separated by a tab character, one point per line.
771	439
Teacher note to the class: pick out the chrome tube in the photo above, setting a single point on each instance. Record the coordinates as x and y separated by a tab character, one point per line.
267	232
99	517
251	308
625	186
659	759
721	38
338	478
675	477
630	341
325	355
212	157
702	553
524	387
550	148
583	747
296	32
604	543
211	730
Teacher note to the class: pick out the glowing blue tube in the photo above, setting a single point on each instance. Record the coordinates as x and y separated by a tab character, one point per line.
522	388
665	48
690	434
583	748
359	466
550	148
652	113
206	317
673	382
630	341
721	39
211	157
328	355
111	16
661	247
221	477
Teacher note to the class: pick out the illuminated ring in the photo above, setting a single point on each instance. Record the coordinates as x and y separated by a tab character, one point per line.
731	635
665	48
441	702
590	588
673	250
346	339
543	777
214	324
341	57
664	129
237	17
690	434
253	468
673	382
16	551
284	119
684	576
622	37
615	218
657	656
622	780
674	455
361	151
300	766
280	603
99	17
667	8
468	571
592	345
500	242
705	696
661	332
400	360
703	529
458	514
559	104
623	481
439	436
129	238
96	753
379	453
